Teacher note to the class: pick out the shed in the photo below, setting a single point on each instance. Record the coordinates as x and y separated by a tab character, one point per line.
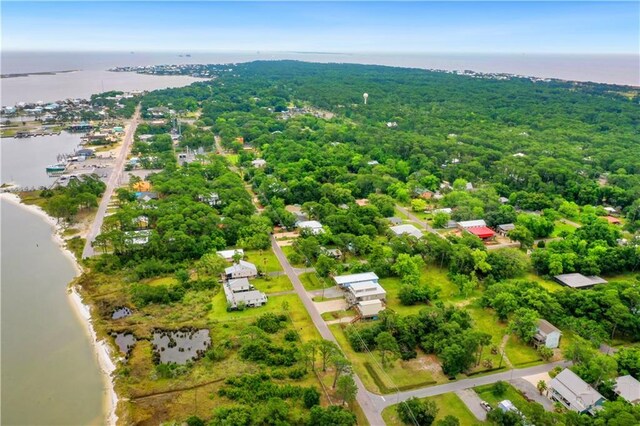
370	308
228	254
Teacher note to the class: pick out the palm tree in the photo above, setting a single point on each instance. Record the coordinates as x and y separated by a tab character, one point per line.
542	386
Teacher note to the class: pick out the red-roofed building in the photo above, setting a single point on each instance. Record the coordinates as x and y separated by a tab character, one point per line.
482	232
613	220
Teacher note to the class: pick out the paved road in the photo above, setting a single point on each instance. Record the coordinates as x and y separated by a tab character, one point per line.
472	401
112	184
371	410
383	402
415	218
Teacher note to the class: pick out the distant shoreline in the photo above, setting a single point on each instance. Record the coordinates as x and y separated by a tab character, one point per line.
28	74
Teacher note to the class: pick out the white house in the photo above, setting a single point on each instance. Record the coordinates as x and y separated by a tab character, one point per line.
369	308
346	281
228	254
258	163
239	292
138	238
312	226
242	269
363	291
406	229
628	388
547	334
574	393
466	224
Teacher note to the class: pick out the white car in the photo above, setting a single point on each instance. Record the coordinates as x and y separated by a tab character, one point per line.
485	405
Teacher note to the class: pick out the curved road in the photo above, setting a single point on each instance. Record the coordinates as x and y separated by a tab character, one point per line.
112	183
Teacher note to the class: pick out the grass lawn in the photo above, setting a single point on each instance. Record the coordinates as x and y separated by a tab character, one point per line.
485	393
273	284
264	259
287	250
521	354
330	316
448	404
311	281
485	320
168	281
404	374
552	286
561	226
233	158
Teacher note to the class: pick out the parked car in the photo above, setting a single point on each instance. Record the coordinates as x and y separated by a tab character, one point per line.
485	405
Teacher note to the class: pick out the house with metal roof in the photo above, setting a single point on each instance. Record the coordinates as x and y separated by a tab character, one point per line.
242	269
240	293
505	228
363	291
482	232
345	281
228	254
406	229
546	335
574	393
578	280
628	388
312	226
471	223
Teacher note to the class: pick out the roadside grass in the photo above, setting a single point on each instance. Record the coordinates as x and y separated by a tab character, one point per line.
448	404
273	284
287	250
403	374
330	316
311	281
264	259
485	393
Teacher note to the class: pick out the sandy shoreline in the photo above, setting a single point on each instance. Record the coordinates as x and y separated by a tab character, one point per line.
83	311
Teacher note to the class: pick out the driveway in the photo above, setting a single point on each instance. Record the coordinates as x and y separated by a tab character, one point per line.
331	306
329	292
472	401
531	392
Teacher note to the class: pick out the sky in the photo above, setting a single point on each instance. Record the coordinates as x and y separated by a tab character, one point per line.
447	27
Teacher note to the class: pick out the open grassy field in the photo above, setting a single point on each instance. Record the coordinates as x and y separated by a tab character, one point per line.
274	284
561	227
547	284
521	354
287	250
264	259
449	404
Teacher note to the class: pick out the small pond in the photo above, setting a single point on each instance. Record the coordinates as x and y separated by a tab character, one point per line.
121	313
125	342
180	346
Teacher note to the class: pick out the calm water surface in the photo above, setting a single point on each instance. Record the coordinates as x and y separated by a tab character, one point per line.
49	373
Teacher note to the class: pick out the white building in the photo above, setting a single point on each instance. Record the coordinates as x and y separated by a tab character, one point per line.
547	334
369	308
628	388
258	163
406	229
574	393
228	254
312	226
465	224
346	281
242	269
365	291
239	292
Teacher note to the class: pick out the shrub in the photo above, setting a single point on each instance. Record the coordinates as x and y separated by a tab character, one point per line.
499	388
310	397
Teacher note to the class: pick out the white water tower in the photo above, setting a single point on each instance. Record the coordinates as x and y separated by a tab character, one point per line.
365	96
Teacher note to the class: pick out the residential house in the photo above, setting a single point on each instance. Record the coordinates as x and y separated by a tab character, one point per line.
483	232
240	292
406	229
137	238
447	210
395	220
578	280
363	291
312	226
334	253
628	388
613	220
370	308
503	200
471	224
228	254
146	196
258	163
346	281
505	228
547	334
242	269
574	393
212	199
610	210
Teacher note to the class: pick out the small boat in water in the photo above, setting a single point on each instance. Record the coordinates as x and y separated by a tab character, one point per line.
56	168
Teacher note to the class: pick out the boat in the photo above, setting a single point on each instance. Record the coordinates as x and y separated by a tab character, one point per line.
56	168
